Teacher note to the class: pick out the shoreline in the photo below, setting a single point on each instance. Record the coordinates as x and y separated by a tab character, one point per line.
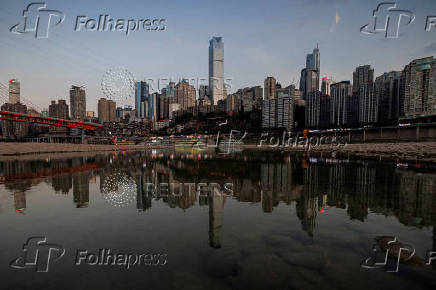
407	151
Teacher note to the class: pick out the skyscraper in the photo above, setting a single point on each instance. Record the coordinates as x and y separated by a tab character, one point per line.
363	86
106	110
309	78
14	91
420	88
59	110
269	88
368	104
325	86
142	92
153	106
216	70
340	92
203	92
313	60
363	75
77	103
185	95
313	109
390	95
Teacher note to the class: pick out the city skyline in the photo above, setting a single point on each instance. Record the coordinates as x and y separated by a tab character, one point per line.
173	54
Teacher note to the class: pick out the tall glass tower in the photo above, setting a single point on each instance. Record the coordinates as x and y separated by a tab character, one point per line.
142	92
216	70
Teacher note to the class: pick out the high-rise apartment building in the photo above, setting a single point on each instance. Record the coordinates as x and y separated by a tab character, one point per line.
106	110
363	86
185	95
269	113
11	129
312	110
278	105
14	91
203	92
368	104
285	112
339	93
362	76
389	91
77	103
269	88
325	86
420	88
59	110
216	70
251	98
234	103
164	106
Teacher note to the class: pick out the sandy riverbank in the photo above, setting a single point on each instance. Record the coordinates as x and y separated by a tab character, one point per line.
413	151
38	148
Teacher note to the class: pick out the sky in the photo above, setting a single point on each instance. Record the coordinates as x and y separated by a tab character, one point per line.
261	38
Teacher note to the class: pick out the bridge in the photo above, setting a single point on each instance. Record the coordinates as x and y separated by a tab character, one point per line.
17	117
13	178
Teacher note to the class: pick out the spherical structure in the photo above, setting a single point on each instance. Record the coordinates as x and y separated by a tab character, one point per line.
118	84
119	189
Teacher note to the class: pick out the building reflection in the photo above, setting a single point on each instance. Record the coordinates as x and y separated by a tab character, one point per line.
81	189
270	179
216	215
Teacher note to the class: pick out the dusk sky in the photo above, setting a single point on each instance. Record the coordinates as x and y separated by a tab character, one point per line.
261	38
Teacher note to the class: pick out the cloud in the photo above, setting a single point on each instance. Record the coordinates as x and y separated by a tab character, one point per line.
335	23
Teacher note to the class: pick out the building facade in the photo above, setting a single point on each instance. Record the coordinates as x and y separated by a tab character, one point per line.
363	75
77	103
142	92
216	70
14	91
106	110
185	95
389	91
339	93
269	88
420	88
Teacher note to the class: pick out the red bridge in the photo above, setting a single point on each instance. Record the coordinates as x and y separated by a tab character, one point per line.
17	117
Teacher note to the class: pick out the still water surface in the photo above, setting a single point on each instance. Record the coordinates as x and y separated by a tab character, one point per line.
291	222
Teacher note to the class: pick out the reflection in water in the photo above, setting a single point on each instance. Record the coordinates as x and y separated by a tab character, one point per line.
313	185
216	213
292	222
